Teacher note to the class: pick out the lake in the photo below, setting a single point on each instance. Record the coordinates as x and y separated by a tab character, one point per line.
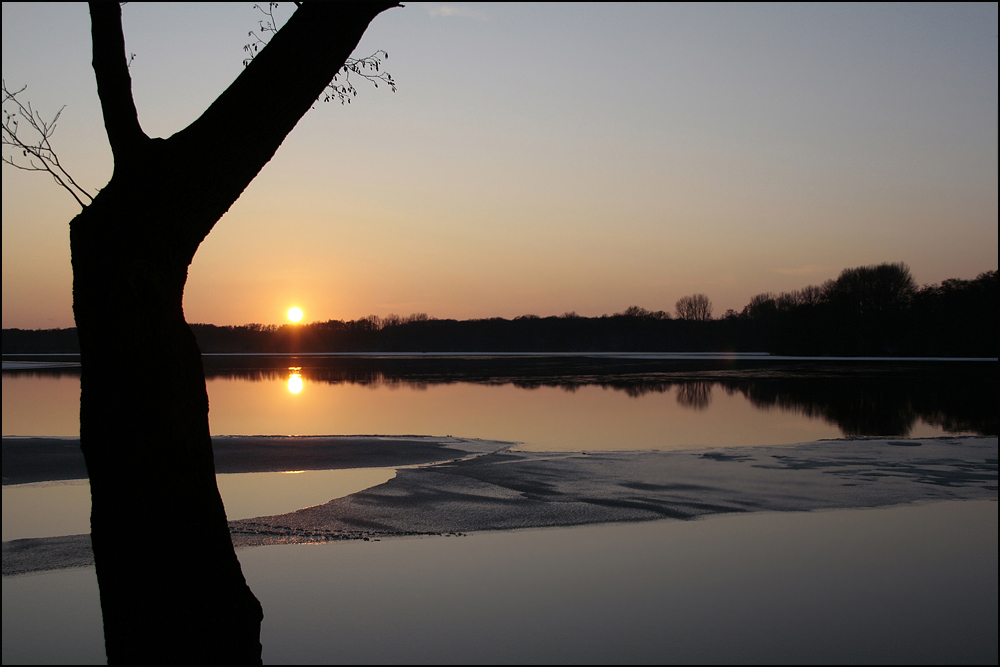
558	403
914	582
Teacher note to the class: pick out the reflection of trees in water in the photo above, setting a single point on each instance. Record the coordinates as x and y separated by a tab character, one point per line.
968	407
880	405
884	406
857	408
640	388
695	395
877	403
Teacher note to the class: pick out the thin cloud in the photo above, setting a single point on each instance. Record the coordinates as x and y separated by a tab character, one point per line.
454	10
809	270
685	283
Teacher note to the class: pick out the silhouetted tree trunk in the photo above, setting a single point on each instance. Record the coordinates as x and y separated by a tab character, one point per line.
172	590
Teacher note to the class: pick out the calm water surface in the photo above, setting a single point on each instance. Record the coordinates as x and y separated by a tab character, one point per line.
559	406
914	584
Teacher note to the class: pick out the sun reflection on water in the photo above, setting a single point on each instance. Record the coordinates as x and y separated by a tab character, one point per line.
295	379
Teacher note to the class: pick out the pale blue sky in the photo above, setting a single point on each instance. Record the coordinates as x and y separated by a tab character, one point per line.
548	158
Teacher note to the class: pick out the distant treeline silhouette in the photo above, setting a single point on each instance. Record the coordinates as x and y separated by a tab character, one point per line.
866	311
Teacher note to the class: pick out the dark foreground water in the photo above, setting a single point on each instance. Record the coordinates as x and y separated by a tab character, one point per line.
913	584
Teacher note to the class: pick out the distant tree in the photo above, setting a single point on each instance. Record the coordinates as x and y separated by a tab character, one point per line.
787	300
811	295
635	311
761	306
370	323
172	590
958	317
694	307
643	313
873	291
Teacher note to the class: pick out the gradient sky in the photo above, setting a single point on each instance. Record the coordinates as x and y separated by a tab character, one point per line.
547	158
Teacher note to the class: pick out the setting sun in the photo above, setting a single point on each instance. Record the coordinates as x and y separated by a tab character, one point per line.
294	314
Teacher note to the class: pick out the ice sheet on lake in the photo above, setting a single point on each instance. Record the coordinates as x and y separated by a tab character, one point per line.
509	489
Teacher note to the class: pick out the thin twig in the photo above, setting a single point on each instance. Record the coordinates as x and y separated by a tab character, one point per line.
368	68
37	155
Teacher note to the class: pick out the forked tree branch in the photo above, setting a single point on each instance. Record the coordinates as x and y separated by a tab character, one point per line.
248	122
298	69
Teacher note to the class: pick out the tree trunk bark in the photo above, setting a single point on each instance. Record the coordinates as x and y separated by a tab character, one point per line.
172	590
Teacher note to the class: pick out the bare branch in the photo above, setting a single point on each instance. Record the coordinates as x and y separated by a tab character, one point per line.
36	154
368	68
340	87
267	25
